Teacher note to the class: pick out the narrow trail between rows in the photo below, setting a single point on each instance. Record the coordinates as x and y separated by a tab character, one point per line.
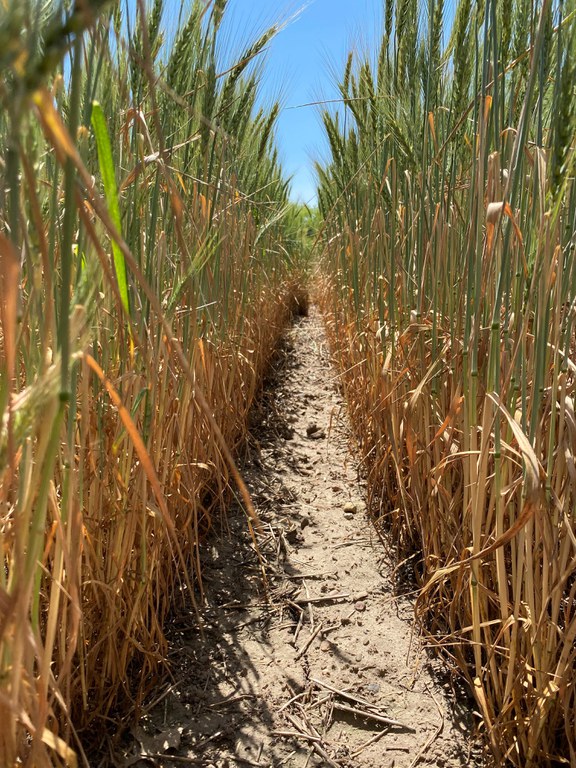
327	671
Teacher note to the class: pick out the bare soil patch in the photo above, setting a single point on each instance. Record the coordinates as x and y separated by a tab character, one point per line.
322	668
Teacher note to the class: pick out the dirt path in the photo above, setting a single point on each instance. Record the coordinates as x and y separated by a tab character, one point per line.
283	683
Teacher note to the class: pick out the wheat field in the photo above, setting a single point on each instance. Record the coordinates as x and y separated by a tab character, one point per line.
151	258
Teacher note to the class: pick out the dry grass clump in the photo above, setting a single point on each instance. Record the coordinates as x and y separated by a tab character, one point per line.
147	267
450	228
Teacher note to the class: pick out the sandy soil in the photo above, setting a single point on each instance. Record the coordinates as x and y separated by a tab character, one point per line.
324	669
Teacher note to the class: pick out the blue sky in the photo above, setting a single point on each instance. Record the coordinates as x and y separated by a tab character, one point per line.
302	64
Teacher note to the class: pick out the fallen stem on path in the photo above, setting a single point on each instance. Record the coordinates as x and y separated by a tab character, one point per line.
344	694
372	712
293	699
171	758
321	598
309	642
368	715
369	743
315	745
296	735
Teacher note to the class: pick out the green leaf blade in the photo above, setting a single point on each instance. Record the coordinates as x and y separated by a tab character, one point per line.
106	165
